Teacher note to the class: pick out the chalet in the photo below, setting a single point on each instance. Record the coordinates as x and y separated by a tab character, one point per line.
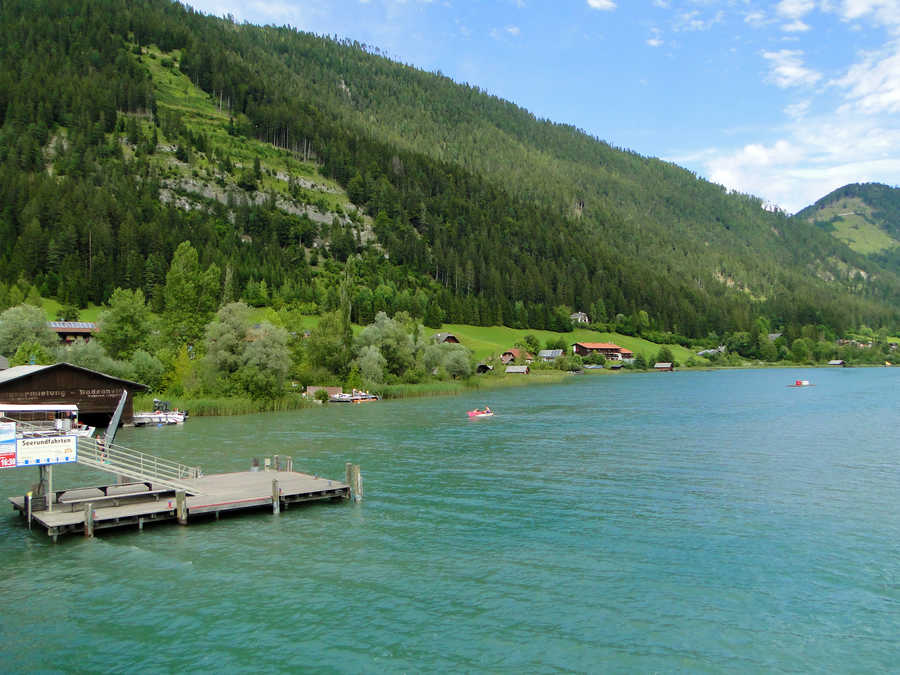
549	354
69	331
609	351
663	366
441	338
514	354
523	370
579	317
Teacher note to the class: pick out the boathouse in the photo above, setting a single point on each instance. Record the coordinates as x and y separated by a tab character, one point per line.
96	394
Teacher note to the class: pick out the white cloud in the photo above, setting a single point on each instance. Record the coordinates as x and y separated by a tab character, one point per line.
885	12
512	30
797	110
655	39
756	19
795	9
872	86
795	27
788	69
693	21
602	5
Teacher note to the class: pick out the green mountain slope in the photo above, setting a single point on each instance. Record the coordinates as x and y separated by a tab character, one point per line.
294	161
865	216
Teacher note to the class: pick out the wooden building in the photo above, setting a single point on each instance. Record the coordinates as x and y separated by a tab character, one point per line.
441	338
96	394
69	331
516	355
610	351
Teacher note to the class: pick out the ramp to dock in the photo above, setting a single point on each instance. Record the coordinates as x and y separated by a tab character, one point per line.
137	466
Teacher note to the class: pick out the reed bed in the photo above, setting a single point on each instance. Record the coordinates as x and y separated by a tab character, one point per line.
221	406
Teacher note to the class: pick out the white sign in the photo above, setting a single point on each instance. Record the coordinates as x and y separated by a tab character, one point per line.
46	450
7	445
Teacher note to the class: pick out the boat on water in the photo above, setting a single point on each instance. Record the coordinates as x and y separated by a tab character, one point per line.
355	396
801	383
160	415
474	414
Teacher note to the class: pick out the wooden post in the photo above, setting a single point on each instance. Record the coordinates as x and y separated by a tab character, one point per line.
28	508
357	483
354	480
290	464
267	464
181	507
88	520
275	462
50	488
276	497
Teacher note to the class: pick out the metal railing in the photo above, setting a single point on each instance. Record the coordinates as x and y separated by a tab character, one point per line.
126	462
139	466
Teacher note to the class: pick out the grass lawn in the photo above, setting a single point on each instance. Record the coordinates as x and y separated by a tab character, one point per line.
89	313
485	341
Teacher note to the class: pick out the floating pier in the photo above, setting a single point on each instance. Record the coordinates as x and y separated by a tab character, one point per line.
150	489
85	510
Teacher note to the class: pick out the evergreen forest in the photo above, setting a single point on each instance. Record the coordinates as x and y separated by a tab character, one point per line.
157	157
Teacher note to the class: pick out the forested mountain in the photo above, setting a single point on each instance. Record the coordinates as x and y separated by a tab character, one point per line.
866	216
293	161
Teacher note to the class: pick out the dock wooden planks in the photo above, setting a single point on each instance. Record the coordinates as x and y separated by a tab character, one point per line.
208	495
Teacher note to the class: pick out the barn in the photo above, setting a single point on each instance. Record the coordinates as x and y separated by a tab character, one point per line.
96	394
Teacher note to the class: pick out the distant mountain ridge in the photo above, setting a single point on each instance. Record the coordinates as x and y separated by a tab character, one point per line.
298	160
859	206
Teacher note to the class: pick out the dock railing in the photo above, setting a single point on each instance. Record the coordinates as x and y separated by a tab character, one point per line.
133	464
122	461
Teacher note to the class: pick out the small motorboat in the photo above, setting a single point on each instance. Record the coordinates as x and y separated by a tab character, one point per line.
800	383
356	397
487	412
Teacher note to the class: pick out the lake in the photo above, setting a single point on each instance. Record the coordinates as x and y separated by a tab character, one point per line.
715	521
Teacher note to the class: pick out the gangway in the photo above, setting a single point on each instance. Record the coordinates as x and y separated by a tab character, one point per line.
122	461
138	466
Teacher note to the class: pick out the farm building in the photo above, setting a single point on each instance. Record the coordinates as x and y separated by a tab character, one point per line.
69	331
96	394
663	366
550	354
441	338
610	351
516	354
518	370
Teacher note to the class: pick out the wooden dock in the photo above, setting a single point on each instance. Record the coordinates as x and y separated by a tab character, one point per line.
84	510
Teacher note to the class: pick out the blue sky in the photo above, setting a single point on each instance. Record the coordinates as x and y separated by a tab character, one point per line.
784	100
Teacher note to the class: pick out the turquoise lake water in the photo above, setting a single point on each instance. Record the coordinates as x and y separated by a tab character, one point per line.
662	522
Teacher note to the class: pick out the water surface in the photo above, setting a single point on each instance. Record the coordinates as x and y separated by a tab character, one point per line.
708	521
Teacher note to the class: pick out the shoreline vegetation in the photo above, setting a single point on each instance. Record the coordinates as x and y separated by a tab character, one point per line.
210	406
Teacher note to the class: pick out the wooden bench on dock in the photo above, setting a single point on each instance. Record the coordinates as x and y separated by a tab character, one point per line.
113	495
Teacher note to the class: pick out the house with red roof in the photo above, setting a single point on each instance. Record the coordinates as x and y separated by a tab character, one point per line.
517	355
609	351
